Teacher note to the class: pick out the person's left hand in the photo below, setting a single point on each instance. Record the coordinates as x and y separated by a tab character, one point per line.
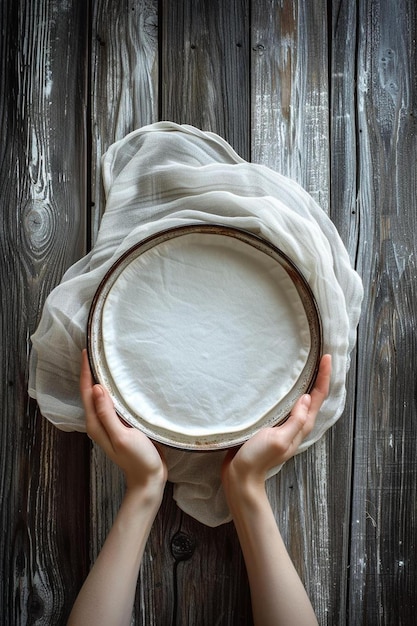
140	459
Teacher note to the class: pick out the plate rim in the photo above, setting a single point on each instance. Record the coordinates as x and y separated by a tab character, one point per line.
206	442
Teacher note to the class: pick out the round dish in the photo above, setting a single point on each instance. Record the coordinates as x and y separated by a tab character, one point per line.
203	334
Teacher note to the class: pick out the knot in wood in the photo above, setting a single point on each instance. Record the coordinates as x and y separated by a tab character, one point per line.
36	608
259	48
38	222
182	546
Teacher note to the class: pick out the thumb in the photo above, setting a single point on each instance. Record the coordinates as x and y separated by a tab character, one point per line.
305	401
102	402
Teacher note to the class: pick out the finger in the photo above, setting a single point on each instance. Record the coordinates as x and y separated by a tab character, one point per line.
288	437
86	385
297	419
320	390
106	414
159	450
95	429
86	379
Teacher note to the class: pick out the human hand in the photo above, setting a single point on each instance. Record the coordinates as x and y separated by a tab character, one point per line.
140	459
273	446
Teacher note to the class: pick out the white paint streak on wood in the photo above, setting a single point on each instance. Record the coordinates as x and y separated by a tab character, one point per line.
383	499
124	66
124	79
373	184
290	107
290	133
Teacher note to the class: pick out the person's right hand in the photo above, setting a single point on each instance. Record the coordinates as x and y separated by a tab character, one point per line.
271	447
278	595
129	448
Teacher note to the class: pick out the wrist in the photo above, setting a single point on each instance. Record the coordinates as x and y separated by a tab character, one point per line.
243	492
146	494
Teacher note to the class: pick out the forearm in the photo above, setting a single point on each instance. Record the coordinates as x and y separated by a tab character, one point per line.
278	595
108	593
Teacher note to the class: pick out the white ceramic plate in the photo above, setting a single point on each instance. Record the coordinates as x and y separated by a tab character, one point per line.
203	334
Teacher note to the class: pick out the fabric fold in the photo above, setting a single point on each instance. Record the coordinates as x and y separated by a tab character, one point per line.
166	175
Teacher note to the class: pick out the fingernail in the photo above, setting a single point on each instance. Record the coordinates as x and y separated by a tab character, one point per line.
98	391
306	399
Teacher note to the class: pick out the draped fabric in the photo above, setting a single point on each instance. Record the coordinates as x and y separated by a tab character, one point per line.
166	175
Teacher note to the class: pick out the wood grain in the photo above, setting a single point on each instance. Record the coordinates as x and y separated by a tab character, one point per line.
124	80
204	56
324	92
124	84
290	133
44	542
213	588
205	67
343	197
383	581
290	94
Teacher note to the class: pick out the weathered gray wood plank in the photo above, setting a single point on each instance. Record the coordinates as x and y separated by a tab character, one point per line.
343	177
205	67
290	133
343	123
384	577
205	81
290	95
124	79
123	97
156	598
44	511
212	586
124	84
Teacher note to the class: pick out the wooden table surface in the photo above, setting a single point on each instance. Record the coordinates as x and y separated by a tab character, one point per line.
324	92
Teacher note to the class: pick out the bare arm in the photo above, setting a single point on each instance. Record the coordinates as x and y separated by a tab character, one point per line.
108	593
278	595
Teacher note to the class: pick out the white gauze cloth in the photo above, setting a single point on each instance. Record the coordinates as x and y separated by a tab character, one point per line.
166	175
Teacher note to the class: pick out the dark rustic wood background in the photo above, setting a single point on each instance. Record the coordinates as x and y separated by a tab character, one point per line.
324	92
